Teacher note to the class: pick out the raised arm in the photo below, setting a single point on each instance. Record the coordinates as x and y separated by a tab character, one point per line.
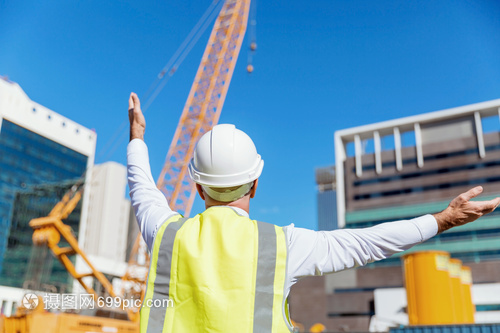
322	252
150	205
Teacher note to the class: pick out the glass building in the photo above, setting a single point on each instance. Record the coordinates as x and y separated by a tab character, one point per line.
42	154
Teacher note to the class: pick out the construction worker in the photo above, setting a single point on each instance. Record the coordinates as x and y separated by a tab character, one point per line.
225	272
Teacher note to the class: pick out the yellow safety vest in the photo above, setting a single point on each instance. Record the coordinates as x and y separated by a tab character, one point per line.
216	272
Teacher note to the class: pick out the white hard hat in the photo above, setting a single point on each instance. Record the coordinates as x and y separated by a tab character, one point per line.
225	157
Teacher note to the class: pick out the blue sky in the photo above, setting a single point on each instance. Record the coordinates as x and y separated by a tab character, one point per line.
320	66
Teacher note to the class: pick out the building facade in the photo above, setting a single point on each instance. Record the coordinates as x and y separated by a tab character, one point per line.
404	168
42	154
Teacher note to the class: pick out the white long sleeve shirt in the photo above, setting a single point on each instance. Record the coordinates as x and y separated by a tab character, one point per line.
309	252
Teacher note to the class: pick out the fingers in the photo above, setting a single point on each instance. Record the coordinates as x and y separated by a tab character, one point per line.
134	102
484	207
137	102
131	102
473	192
496	201
491	205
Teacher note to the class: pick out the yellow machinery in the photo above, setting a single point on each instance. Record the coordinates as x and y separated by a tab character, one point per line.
428	288
39	321
200	114
438	289
48	231
317	328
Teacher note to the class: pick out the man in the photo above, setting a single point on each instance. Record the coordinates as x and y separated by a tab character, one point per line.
228	273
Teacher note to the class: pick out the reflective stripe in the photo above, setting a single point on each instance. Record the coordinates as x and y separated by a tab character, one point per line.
162	280
264	285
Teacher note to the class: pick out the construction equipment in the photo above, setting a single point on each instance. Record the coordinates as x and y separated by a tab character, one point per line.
48	231
37	320
200	114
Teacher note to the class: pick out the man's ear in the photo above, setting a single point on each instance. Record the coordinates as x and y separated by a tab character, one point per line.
200	191
254	188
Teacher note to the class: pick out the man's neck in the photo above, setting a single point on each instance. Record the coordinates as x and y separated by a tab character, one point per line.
243	203
238	210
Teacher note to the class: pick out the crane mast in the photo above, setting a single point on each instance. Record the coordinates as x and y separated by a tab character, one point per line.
204	103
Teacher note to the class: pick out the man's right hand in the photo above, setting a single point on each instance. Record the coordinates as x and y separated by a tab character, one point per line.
136	118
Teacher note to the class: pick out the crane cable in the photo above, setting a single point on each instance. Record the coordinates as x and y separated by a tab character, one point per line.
176	60
165	74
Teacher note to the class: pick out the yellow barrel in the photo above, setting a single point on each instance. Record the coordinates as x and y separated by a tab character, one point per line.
428	288
470	308
456	287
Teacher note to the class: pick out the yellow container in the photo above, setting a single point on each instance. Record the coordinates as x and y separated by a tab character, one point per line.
470	308
456	287
428	288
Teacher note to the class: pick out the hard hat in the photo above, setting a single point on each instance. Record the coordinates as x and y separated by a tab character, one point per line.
225	157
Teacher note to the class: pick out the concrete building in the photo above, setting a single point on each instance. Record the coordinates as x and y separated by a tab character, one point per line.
41	155
400	169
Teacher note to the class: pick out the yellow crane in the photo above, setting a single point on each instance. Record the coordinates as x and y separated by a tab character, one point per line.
200	114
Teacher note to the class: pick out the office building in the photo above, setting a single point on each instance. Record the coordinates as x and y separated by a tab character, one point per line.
42	154
408	167
326	198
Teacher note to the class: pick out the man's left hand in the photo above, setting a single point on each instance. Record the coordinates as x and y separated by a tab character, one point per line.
462	211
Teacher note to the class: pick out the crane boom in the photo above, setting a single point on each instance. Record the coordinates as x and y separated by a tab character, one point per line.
204	103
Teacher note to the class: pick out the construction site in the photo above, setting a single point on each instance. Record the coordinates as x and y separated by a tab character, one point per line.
73	257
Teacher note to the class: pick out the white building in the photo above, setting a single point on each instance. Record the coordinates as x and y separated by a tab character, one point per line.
108	213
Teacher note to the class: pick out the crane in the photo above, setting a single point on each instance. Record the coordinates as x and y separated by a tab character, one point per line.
204	103
201	112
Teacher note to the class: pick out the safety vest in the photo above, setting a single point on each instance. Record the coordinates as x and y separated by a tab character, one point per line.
216	272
